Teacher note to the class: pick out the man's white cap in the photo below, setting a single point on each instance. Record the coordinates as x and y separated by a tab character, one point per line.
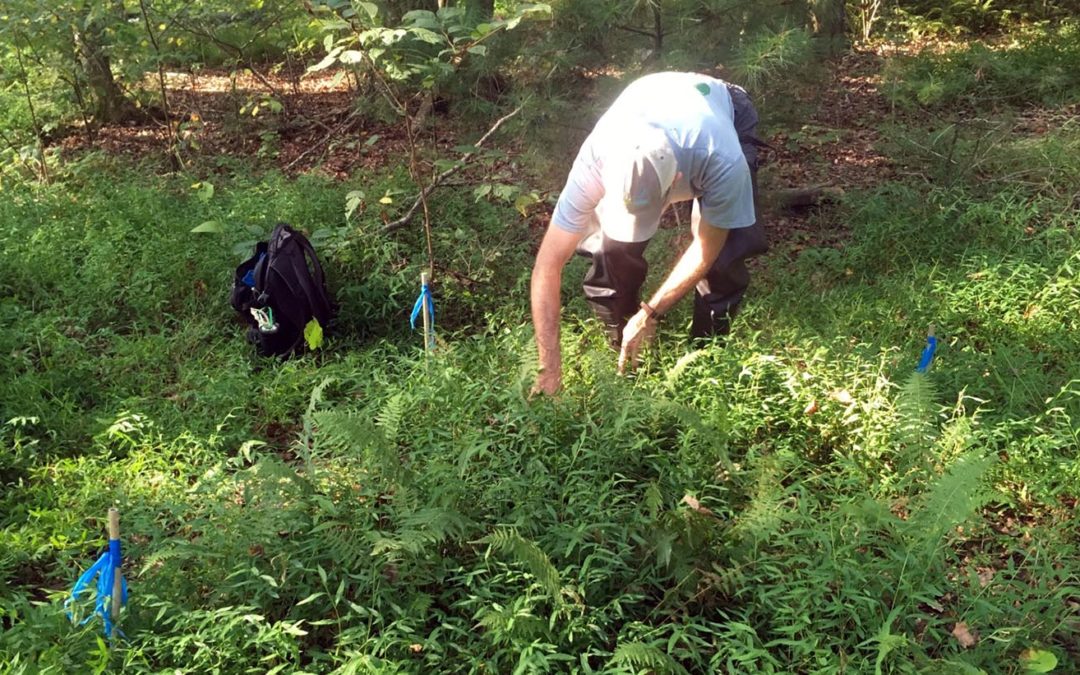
637	176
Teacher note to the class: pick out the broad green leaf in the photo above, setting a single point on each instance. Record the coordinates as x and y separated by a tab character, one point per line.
524	201
211	226
450	13
536	8
425	35
482	191
244	248
204	191
446	164
352	202
421	18
1038	660
370	7
311	598
351	56
479	50
313	334
327	61
292	628
506	192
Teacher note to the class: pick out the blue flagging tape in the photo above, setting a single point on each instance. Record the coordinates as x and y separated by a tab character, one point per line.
927	354
424	297
105	569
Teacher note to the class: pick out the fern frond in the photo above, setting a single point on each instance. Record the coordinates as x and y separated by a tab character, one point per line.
764	515
421	530
354	434
393	411
653	500
507	541
509	624
950	501
346	431
340	543
642	656
714	437
916	408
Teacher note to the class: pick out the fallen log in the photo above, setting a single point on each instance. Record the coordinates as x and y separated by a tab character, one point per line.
791	199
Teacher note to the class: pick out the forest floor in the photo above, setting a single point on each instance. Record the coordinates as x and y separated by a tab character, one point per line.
301	122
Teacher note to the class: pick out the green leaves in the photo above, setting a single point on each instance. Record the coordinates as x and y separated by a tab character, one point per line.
209	226
424	49
313	334
353	200
204	190
1038	661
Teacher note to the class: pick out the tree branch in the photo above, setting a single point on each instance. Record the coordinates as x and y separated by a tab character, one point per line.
437	181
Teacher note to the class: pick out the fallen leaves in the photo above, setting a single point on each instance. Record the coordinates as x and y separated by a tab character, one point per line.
695	505
964	636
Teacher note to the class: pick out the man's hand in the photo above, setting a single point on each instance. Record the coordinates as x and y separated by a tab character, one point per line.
691	267
639	330
548	383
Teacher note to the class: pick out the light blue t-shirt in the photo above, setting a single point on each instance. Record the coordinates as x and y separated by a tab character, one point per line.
697	115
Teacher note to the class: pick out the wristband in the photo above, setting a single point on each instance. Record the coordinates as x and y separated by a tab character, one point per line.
649	311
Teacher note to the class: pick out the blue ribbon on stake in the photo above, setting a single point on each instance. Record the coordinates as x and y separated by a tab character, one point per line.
105	569
927	353
424	299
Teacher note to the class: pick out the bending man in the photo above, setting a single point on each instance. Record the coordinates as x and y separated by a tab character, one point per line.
669	137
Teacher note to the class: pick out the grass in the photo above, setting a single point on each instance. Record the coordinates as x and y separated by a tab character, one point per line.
1031	66
793	499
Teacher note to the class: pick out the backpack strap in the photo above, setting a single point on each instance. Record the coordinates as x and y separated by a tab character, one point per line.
303	271
278	237
320	303
322	306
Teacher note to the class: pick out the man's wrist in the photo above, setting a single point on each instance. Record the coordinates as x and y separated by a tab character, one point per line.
650	311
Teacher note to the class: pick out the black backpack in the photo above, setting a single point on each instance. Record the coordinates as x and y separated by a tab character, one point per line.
279	290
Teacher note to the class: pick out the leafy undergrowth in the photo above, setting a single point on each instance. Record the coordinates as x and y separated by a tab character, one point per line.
1036	65
794	500
790	499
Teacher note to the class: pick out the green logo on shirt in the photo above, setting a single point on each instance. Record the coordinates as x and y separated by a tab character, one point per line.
703	88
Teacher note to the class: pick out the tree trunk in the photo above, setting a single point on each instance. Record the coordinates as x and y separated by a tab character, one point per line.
830	24
109	102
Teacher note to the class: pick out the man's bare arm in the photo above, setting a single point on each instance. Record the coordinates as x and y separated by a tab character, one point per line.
692	265
688	271
555	250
